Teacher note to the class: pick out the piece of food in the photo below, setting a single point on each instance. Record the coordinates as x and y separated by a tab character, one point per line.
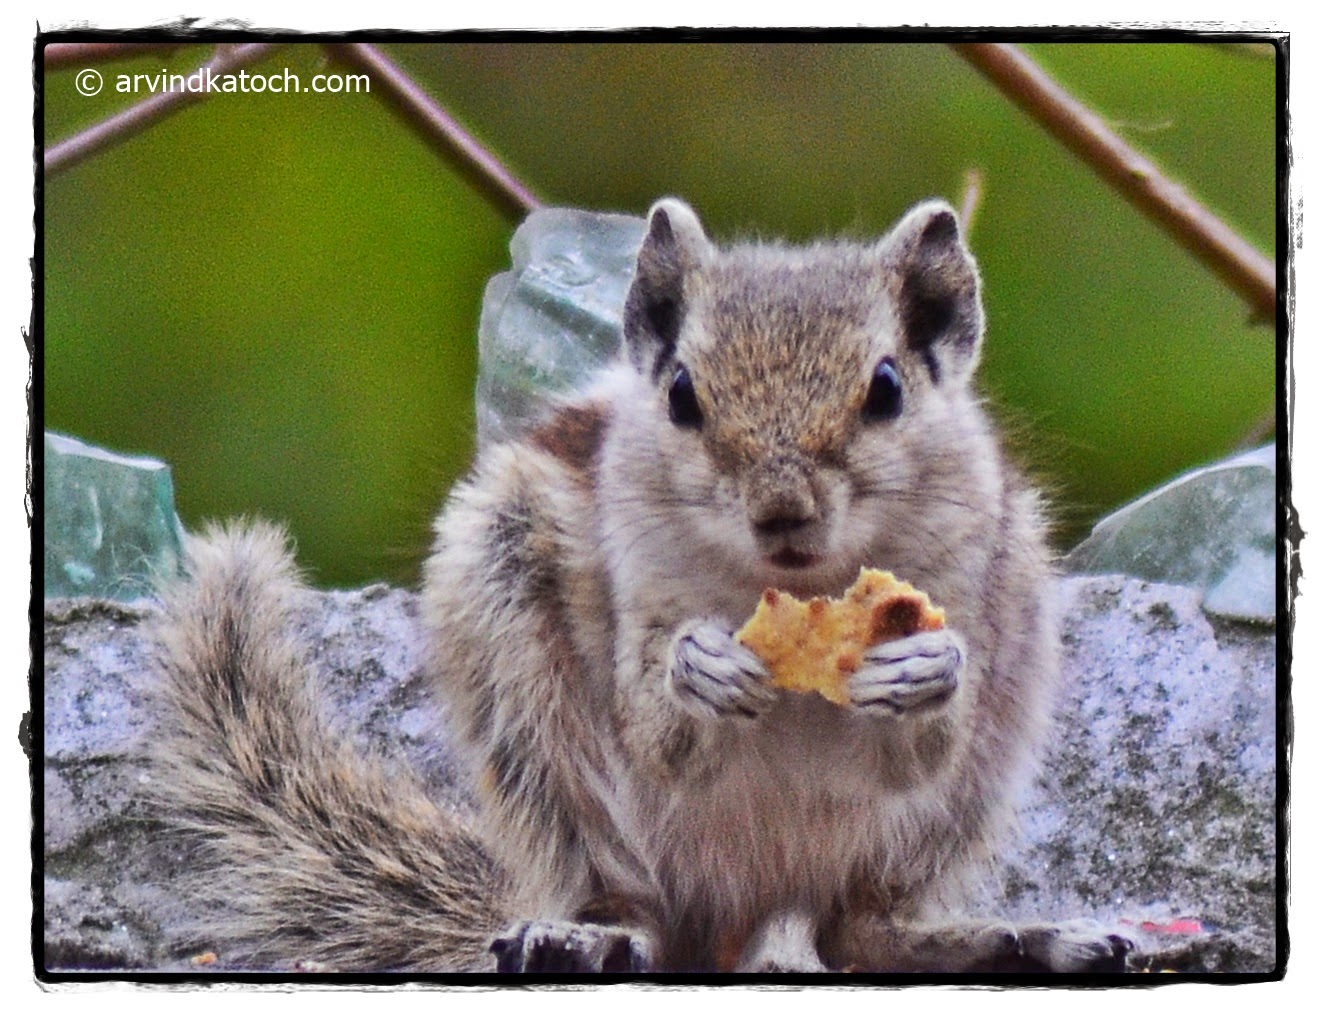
818	644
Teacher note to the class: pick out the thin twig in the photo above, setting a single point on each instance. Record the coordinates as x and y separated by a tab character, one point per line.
1083	132
1262	429
971	199
136	118
422	113
57	55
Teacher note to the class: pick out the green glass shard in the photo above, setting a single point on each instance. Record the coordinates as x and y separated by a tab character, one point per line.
110	525
1212	529
548	324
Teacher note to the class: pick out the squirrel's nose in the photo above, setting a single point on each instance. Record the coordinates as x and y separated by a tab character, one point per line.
780	498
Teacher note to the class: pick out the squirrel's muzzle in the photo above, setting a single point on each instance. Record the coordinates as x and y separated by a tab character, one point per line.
784	508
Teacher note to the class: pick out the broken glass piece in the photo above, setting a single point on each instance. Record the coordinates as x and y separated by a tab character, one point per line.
551	322
1212	529
110	525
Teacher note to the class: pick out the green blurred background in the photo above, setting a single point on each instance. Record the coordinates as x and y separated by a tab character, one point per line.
278	294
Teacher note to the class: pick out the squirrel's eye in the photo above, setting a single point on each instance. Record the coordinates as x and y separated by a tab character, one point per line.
684	410
884	400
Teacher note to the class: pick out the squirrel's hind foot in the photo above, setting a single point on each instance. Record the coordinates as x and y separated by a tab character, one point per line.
565	947
976	947
1074	947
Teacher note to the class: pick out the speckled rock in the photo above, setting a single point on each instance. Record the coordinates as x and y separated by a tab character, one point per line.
1156	807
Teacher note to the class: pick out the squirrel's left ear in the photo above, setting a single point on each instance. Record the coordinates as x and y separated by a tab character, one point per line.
939	289
674	247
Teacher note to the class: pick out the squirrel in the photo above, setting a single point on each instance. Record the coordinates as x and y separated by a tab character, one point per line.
778	417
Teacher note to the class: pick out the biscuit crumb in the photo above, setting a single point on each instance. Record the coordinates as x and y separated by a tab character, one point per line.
816	645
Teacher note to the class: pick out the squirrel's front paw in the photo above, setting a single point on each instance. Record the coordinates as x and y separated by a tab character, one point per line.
912	674
711	674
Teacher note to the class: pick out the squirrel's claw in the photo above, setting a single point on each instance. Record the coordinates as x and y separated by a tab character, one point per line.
912	674
712	674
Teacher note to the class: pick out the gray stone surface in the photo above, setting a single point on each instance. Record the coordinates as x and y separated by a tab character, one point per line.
1157	804
1158	801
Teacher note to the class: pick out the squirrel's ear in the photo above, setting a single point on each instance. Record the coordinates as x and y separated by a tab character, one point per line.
939	289
674	246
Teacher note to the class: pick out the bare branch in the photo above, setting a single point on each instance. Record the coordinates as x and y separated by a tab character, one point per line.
136	118
1231	257
1259	431
971	199
57	55
422	112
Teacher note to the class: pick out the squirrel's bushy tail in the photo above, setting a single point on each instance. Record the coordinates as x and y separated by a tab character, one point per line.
310	850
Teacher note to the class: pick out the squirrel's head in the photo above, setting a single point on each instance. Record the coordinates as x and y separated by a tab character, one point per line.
790	389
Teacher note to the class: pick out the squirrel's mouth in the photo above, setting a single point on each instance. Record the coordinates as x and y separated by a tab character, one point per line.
794	560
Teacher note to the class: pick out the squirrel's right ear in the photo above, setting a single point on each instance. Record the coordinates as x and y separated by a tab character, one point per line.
939	289
674	246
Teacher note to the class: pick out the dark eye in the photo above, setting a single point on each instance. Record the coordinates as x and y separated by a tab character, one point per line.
684	410
884	400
